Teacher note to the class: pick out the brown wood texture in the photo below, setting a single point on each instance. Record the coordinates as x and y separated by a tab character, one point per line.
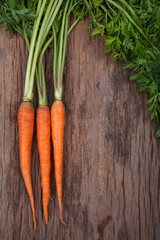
111	176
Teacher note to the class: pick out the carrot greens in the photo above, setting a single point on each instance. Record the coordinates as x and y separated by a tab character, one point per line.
33	20
131	32
61	30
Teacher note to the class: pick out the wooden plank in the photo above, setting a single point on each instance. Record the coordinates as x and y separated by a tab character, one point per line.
111	157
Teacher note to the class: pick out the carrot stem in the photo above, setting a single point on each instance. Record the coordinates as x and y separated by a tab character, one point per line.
134	15
61	42
38	45
64	48
55	58
40	10
41	84
60	51
73	25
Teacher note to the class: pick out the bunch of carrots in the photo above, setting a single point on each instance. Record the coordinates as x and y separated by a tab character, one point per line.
37	46
48	23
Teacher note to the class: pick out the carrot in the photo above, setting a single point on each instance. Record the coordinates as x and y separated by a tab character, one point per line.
26	125
43	136
57	121
58	111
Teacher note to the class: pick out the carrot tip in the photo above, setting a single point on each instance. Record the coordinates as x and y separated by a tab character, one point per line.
46	216
34	224
46	220
45	213
61	216
62	221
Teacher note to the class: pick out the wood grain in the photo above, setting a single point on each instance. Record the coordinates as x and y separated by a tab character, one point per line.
111	177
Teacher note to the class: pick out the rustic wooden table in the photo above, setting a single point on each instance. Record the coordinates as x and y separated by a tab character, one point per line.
111	177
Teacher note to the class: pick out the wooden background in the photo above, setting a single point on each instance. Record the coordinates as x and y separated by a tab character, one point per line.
111	181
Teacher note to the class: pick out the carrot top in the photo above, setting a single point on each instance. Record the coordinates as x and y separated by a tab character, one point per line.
60	34
46	13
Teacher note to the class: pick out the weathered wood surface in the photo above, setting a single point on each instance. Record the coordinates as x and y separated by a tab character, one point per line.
111	158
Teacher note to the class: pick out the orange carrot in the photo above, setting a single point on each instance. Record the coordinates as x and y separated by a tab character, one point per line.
43	136
26	125
57	121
